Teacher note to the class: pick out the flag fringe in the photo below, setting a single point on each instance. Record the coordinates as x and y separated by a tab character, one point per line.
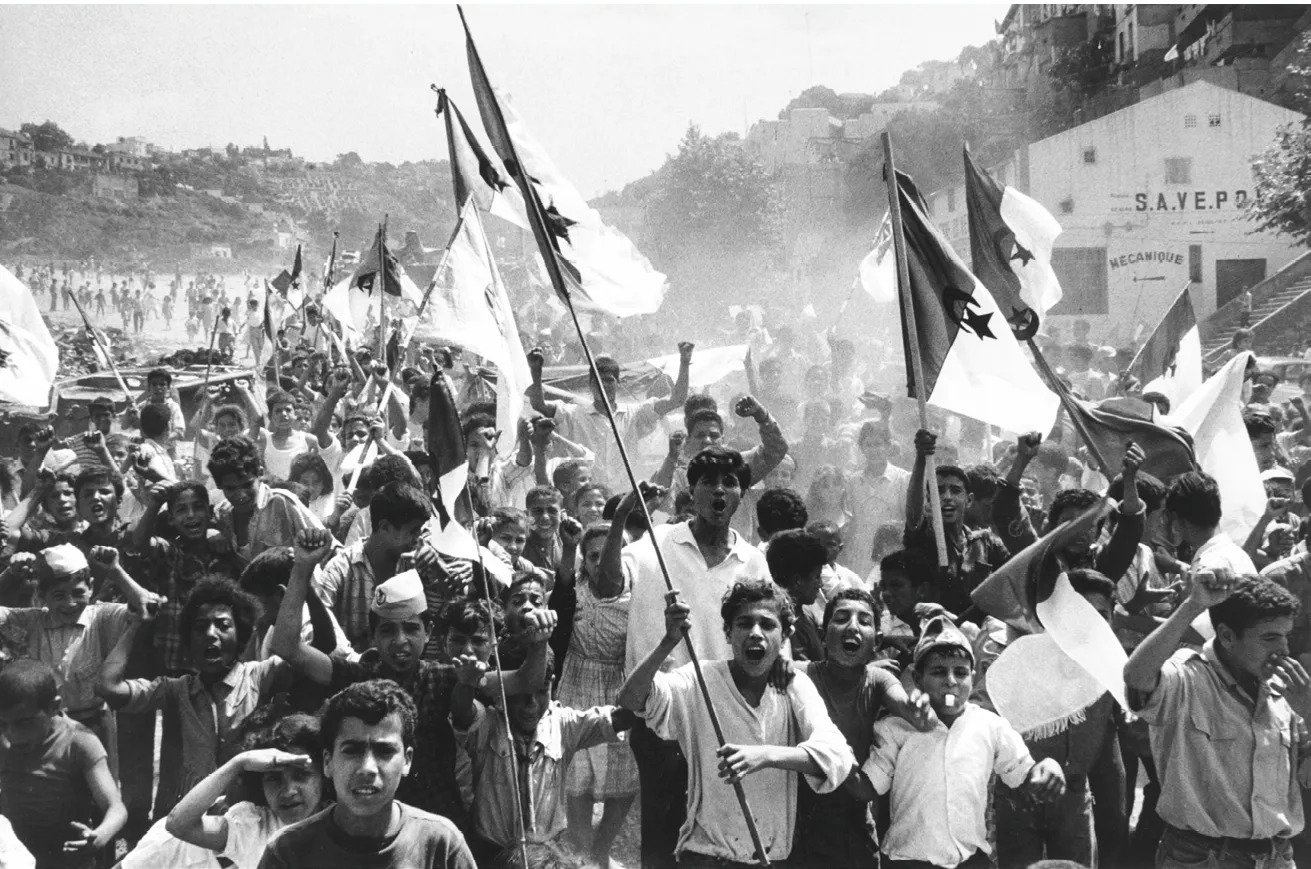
1057	726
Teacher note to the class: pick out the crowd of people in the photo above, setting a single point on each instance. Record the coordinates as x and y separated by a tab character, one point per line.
272	649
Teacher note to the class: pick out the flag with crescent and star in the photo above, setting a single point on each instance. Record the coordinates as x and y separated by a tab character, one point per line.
1011	239
972	363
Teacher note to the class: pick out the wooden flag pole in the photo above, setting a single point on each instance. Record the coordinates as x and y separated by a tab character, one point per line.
380	284
127	393
912	344
204	391
553	268
1067	402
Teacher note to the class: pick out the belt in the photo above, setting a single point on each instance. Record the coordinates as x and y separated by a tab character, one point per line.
1228	843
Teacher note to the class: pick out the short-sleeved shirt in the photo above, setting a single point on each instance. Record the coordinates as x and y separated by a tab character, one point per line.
43	791
74	652
279	516
250	827
939	782
431	784
423	841
586	425
345	585
210	720
1292	573
971	559
561	733
1227	761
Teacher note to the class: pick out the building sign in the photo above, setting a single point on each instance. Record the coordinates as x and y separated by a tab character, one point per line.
1190	200
1164	257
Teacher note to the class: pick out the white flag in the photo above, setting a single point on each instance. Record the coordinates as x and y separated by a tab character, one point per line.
29	359
1213	415
474	313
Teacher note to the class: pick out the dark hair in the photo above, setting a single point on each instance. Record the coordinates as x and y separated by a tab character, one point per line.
1151	491
100	403
543	493
154	420
909	562
603	364
475	421
518	581
860	594
1085	581
564	471
97	475
1158	399
467	616
1254	600
307	462
221	592
398	504
267	571
235	411
636	523
982	480
502	516
705	414
755	591
583	490
158	374
1195	497
718	460
392	469
1239	335
234	455
1079	499
780	509
1258	423
295	732
26	680
694	403
869	428
177	490
370	701
954	471
277	397
793	554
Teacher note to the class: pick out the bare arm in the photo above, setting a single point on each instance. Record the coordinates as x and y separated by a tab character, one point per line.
536	396
107	798
637	687
312	545
111	686
189	822
1142	672
925	443
678	395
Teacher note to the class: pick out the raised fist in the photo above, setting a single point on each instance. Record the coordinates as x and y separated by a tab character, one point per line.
312	544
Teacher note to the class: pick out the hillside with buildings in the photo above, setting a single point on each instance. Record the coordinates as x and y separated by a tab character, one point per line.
132	200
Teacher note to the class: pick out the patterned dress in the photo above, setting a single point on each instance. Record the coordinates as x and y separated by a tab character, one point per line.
593	674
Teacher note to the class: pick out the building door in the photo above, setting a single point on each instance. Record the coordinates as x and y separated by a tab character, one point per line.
1232	276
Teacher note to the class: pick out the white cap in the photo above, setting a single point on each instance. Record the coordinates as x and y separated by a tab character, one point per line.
1278	473
64	559
400	597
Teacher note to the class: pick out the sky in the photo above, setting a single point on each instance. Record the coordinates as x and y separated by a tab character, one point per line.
609	90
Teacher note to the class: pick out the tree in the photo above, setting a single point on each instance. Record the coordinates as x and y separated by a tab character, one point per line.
47	137
1282	200
349	162
713	222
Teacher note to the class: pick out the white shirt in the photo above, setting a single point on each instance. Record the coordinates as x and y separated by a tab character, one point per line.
872	502
585	425
675	709
939	782
1221	552
701	587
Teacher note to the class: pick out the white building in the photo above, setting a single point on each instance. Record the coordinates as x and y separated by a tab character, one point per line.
1150	198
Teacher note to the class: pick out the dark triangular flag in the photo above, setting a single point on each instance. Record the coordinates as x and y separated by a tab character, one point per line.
282	282
465	149
1160	354
295	268
379	258
1113	423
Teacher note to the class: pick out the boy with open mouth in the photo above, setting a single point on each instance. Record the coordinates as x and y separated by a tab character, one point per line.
772	736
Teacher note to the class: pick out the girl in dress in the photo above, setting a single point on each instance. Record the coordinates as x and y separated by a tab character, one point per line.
311	471
592	676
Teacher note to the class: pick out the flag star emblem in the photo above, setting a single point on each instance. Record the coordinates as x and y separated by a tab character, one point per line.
1024	323
960	308
978	323
1023	254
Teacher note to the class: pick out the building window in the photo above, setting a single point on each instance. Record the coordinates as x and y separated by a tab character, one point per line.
1213	120
1090	154
1067	205
1121	47
1178	170
1190	121
1195	263
1083	268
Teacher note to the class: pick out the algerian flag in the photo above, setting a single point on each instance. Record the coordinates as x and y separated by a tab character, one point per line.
29	359
972	363
1011	239
878	270
1170	362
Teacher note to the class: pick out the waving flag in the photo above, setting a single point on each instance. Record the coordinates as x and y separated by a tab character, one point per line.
594	264
878	270
476	175
451	470
1114	422
474	313
1011	239
972	363
354	301
1171	360
29	359
1213	415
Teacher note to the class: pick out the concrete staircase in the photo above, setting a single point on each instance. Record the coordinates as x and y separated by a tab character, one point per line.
1281	310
